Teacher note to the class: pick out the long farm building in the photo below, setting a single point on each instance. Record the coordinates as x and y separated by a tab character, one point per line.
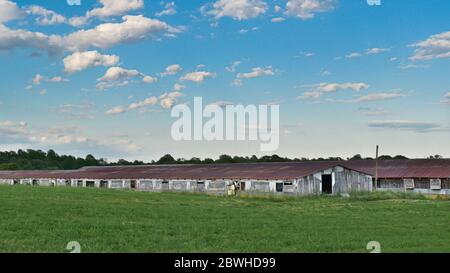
302	178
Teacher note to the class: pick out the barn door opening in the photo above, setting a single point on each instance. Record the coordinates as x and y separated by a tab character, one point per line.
280	187
201	187
133	184
103	184
327	186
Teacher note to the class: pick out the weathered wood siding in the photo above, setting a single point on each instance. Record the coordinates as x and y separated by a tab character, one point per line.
347	181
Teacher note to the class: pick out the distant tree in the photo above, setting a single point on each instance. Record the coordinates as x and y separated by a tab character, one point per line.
225	159
356	157
208	161
435	157
167	159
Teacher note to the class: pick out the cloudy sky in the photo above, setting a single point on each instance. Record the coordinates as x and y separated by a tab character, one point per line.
100	76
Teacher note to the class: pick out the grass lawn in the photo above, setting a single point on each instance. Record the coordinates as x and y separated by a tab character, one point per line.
40	219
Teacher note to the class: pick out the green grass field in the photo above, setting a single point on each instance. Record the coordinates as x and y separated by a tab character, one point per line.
39	219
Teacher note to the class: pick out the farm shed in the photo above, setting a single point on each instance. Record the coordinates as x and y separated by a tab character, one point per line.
278	178
428	176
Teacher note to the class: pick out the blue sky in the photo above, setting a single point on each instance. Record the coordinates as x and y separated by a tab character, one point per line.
102	76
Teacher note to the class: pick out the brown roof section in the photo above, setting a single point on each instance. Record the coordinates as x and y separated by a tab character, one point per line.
417	168
408	168
213	171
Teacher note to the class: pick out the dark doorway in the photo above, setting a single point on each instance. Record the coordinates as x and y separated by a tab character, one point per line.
280	187
165	185
103	184
242	186
34	182
16	182
90	184
133	184
201	187
327	186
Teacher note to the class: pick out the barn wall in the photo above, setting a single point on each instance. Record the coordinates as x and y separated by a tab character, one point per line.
347	181
310	185
420	186
6	181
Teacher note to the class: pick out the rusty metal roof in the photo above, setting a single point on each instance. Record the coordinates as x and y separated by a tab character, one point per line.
408	168
264	171
416	168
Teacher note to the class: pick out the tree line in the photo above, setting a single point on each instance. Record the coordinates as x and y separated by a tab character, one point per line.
50	160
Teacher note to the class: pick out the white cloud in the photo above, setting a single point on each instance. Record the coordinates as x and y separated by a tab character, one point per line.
417	126
73	2
236	9
446	99
374	111
132	28
277	20
110	8
233	66
172	70
118	76
11	39
304	54
379	96
306	9
62	136
79	61
147	102
107	85
9	11
333	87
167	100
245	30
237	82
374	97
118	73
45	16
57	79
318	90
257	72
169	9
116	110
149	79
198	76
411	66
38	79
13	129
353	55
178	87
376	50
435	47
82	111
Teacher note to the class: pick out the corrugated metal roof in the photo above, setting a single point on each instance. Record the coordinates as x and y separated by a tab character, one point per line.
417	168
213	171
412	168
